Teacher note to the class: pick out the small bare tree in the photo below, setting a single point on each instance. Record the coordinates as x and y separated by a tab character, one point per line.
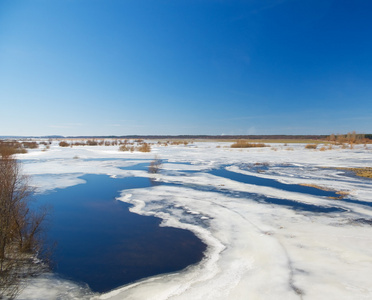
20	228
155	165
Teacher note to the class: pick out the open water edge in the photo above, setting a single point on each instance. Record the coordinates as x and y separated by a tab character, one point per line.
99	242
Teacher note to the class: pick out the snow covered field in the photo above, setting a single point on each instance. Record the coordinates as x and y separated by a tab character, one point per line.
256	249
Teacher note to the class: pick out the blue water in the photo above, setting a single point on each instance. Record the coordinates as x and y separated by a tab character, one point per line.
137	167
295	205
291	188
272	183
102	244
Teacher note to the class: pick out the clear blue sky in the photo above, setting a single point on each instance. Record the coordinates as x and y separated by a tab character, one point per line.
118	67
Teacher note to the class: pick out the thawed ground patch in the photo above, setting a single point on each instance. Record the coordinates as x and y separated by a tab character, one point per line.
258	248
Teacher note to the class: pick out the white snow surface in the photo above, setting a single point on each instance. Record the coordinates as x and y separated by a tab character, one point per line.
255	250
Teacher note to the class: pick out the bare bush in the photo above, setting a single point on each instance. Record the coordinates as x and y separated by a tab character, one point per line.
92	143
30	145
63	144
246	144
349	138
311	146
144	148
155	166
11	147
124	148
20	229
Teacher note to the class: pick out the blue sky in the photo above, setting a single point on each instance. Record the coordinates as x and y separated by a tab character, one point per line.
120	67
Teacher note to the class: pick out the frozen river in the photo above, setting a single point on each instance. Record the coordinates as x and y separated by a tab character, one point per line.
270	234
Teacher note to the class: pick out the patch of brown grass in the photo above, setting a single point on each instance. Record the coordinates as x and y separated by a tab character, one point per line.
315	186
8	148
311	146
144	148
361	172
341	193
246	144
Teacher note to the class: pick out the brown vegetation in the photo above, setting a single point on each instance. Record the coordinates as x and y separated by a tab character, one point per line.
362	172
64	144
246	144
311	146
142	147
20	228
349	138
342	194
155	166
11	147
30	145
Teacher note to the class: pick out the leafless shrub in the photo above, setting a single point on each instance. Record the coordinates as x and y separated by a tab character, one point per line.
144	148
246	144
20	229
311	146
124	148
30	145
11	147
155	166
63	144
349	138
92	143
179	142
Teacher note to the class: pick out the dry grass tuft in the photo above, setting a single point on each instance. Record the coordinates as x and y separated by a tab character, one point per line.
311	146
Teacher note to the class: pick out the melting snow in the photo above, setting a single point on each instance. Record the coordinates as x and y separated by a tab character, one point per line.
256	250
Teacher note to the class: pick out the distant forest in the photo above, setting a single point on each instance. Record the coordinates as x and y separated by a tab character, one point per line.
215	137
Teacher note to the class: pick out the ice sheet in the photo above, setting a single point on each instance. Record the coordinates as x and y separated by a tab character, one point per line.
256	250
